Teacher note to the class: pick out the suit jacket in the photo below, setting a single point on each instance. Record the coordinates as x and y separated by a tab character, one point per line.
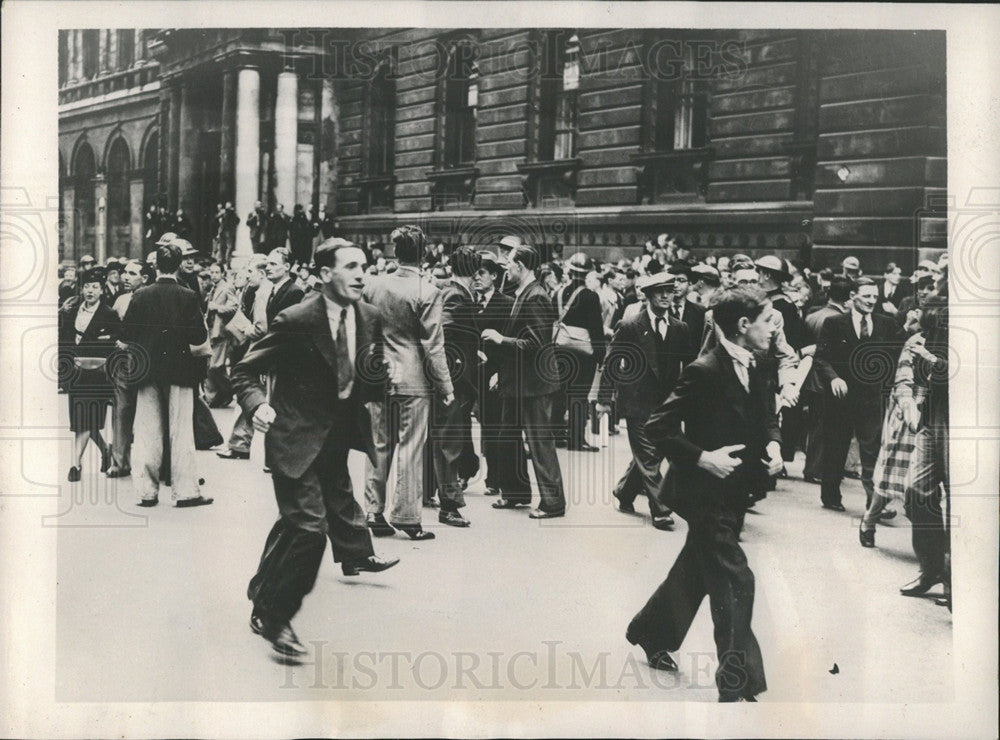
905	306
493	315
813	325
527	334
299	351
709	409
284	296
640	369
225	302
865	366
903	289
694	317
411	310
98	340
461	337
163	320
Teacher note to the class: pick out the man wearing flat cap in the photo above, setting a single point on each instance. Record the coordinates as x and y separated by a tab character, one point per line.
643	363
851	268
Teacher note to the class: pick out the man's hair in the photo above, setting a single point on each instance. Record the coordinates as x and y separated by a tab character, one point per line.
491	266
934	314
326	253
257	261
465	261
286	254
168	258
631	274
926	281
840	288
862	282
527	256
680	268
890	268
410	242
732	305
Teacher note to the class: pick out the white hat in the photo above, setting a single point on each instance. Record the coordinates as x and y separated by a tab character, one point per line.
851	263
662	278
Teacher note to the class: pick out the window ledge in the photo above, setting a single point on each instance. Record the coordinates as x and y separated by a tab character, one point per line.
450	173
376	180
551	165
670	156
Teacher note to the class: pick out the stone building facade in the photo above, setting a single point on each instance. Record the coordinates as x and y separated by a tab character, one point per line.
810	144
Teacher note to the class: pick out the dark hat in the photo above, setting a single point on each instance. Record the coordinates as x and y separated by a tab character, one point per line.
580	263
92	275
510	241
113	264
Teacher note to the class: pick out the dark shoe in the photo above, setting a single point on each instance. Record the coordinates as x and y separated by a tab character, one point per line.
834	507
503	503
286	642
943	601
415	532
267	469
626	507
233	455
887	514
105	462
561	444
539	514
730	698
74	474
431	503
663	523
114	472
371	564
584	448
852	475
491	491
812	479
921	585
149	501
380	527
452	519
783	473
867	538
186	503
661	661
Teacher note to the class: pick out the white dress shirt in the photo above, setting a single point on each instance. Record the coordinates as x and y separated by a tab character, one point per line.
653	318
743	360
333	314
856	319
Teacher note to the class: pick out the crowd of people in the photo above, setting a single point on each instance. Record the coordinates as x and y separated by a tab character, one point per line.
541	354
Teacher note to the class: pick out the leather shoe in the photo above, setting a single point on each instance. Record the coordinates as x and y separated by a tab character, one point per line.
186	503
539	514
415	532
74	474
371	564
149	501
663	522
626	507
492	492
867	537
379	526
921	585
503	503
812	479
232	454
452	519
584	447
661	661
834	507
887	514
286	642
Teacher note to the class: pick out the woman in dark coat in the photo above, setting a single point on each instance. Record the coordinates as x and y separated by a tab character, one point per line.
580	308
300	234
88	329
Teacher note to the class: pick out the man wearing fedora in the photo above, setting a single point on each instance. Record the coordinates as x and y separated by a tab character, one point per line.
641	369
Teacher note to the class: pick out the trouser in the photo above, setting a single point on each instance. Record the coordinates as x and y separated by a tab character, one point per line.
929	474
490	410
814	435
843	419
448	429
711	563
533	416
793	431
398	424
318	505
577	392
165	413
643	472
122	421
218	389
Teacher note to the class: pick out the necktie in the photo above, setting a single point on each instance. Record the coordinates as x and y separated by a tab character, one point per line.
661	327
864	328
675	311
345	369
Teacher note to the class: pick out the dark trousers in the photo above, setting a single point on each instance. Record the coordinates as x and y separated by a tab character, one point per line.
578	371
449	427
318	505
843	419
929	473
711	563
793	431
531	415
490	410
814	434
643	473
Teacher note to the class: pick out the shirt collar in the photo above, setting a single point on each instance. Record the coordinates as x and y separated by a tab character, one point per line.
738	353
408	268
333	308
653	317
488	294
524	287
857	317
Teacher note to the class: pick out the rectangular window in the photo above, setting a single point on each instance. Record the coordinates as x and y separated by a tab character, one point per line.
681	117
461	102
126	47
560	79
91	51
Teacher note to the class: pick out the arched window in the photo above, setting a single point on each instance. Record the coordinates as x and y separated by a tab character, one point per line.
84	169
119	199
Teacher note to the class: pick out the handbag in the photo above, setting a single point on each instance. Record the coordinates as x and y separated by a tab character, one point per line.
572	338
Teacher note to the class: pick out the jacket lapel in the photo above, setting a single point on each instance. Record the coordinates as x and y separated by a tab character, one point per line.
319	329
648	337
732	387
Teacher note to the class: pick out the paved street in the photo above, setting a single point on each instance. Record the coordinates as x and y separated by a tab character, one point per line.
152	603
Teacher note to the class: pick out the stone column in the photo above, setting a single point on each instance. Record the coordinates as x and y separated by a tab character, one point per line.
187	165
75	56
102	51
227	144
326	144
114	64
174	147
100	218
286	118
67	229
137	197
247	160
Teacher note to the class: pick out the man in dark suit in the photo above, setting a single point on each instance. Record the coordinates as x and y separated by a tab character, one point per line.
493	312
719	431
285	292
528	383
326	357
855	357
163	323
642	366
682	309
892	290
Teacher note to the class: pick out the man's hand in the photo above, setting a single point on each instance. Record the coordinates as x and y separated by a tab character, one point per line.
482	355
911	414
889	308
449	399
773	462
789	395
492	335
494	380
603	408
838	387
720	462
263	417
